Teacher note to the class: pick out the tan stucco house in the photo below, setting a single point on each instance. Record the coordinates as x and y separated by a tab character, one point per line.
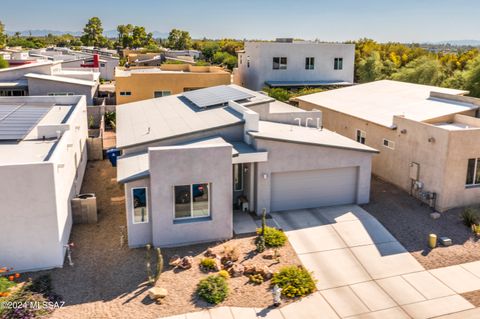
428	136
143	83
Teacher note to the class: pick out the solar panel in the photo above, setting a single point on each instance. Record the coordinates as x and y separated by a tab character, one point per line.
16	121
216	95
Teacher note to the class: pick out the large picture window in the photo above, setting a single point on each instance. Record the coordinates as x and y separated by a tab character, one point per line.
192	201
473	172
139	202
280	63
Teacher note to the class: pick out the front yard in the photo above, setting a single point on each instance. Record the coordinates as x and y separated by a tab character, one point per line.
109	281
410	222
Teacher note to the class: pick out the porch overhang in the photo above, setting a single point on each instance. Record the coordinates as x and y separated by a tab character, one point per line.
244	153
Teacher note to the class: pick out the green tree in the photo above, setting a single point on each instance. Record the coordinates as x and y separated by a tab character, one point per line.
125	38
472	77
3	36
179	40
423	70
370	68
93	33
3	63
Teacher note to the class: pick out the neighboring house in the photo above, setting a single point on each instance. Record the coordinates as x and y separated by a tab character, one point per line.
137	83
42	161
294	64
48	78
428	136
189	159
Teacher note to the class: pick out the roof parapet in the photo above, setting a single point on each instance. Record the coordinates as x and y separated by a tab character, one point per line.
455	97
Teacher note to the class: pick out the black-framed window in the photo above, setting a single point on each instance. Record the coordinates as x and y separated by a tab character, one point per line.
139	205
125	93
279	63
338	64
192	201
473	172
161	93
309	63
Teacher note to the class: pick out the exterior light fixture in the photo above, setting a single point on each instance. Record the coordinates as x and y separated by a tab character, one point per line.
265	175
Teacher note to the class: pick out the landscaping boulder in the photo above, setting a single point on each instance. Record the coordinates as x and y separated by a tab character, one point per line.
271	254
209	253
266	273
218	265
186	262
175	260
251	269
237	270
227	263
157	293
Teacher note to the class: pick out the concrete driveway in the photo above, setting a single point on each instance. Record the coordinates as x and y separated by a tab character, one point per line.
362	271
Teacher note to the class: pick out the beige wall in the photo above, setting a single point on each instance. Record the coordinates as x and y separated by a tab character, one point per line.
143	85
443	160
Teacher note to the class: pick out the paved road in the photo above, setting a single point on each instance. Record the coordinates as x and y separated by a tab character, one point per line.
362	272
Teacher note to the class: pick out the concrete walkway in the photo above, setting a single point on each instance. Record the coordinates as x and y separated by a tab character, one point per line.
362	272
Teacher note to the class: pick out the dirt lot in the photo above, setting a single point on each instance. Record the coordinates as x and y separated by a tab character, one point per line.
108	281
410	222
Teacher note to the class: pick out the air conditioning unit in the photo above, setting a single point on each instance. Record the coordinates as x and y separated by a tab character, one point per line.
84	209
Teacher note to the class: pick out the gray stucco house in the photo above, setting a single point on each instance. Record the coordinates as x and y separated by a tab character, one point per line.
190	161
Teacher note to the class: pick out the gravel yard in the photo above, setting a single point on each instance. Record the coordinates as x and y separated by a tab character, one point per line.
108	281
410	222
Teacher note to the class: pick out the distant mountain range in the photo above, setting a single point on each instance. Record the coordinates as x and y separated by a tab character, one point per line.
107	33
474	43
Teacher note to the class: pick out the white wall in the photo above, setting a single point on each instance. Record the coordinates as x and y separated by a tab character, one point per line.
260	55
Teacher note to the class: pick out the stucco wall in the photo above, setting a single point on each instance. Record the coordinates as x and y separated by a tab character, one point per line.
288	157
28	231
143	85
170	166
44	87
261	54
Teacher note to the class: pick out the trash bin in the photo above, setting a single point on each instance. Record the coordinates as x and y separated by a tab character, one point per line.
112	155
432	240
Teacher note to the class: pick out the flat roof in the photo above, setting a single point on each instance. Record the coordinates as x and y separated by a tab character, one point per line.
455	126
306	135
31	148
26	66
172	116
281	107
378	102
305	83
60	79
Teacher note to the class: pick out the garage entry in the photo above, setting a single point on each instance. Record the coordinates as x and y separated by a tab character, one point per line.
317	188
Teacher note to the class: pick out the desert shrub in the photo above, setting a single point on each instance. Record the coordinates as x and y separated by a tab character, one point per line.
273	237
256	279
223	273
470	217
260	244
213	289
208	264
295	281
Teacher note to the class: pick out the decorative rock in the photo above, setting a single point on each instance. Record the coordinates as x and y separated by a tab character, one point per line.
186	262
237	270
271	254
227	264
210	253
435	215
175	260
157	293
218	265
266	273
250	269
445	241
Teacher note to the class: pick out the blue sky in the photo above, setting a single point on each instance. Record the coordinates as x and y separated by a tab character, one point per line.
333	20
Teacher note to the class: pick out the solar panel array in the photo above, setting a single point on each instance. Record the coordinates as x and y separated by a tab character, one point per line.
16	121
217	95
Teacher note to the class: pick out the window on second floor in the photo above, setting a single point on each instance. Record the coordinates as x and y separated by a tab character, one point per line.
161	93
125	93
309	63
280	63
388	144
361	136
473	172
338	64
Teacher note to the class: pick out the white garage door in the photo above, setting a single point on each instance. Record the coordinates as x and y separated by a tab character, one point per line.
308	189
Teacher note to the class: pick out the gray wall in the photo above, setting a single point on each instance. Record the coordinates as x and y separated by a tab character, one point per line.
43	87
170	166
287	157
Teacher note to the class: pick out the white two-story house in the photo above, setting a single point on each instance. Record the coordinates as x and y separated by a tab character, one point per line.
288	63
